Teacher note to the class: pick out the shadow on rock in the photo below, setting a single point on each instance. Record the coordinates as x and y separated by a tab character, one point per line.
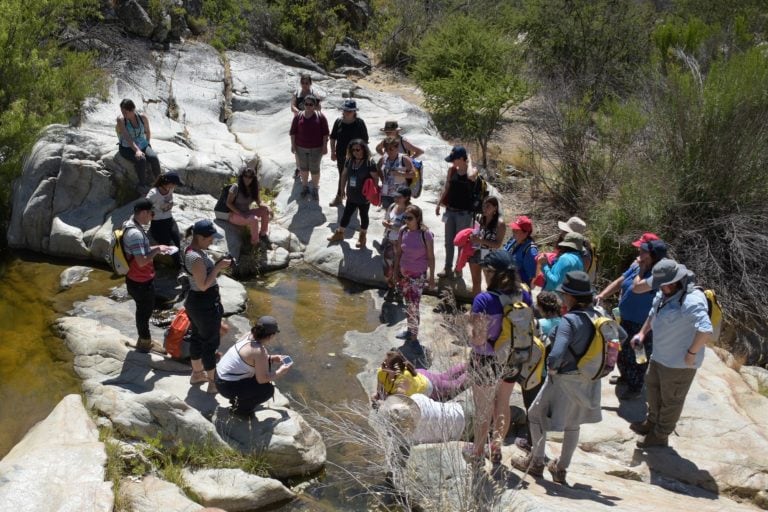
677	474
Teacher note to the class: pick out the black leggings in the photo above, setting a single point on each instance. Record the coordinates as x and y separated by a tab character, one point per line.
205	312
166	232
349	210
144	296
140	165
245	394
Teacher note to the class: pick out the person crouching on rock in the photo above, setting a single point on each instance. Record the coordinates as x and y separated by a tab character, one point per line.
140	280
203	302
163	228
134	133
245	372
244	193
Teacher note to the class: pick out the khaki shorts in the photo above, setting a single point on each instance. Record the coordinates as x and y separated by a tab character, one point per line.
309	159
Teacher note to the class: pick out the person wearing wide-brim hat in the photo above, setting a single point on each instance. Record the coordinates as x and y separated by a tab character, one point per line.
634	308
345	129
567	399
576	225
681	328
568	259
392	129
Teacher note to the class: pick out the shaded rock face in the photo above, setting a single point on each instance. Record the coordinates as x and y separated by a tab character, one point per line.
60	461
348	55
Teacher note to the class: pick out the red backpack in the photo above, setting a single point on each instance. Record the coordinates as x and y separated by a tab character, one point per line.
174	335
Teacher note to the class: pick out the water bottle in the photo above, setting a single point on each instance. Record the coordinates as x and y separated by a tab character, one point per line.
610	332
640	357
616	312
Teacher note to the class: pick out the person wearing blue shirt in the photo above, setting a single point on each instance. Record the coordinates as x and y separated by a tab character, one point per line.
523	248
568	260
681	329
634	309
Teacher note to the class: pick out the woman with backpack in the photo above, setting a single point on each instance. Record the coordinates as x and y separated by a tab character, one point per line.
203	303
523	248
414	267
492	383
488	235
240	198
568	398
393	221
163	228
395	168
358	168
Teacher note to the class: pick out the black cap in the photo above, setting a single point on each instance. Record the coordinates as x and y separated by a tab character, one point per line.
142	204
172	177
205	227
499	260
403	191
267	325
457	153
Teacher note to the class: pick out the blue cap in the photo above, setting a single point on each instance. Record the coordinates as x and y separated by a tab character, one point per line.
349	106
205	227
456	153
656	248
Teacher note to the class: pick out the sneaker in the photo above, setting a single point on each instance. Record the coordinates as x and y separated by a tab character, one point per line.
652	440
558	475
315	194
526	464
305	192
144	345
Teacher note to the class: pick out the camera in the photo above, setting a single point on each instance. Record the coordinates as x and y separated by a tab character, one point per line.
229	256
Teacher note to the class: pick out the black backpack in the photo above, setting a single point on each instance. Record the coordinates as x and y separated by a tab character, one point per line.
221	204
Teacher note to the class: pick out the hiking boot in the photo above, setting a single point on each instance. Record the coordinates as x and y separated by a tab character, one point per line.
361	240
336	201
315	194
558	475
144	345
527	464
652	440
641	427
305	192
337	236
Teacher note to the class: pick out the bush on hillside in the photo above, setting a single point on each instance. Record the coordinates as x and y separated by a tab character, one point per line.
470	76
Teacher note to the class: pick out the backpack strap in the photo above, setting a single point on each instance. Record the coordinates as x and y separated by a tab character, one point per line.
591	319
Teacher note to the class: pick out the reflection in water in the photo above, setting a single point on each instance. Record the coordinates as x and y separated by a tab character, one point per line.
35	366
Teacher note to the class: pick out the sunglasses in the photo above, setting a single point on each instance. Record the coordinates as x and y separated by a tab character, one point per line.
409	217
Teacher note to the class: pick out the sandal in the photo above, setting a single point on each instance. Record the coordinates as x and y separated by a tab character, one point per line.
493	452
198	377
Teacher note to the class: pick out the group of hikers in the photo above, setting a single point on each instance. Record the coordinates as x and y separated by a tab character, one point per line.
656	337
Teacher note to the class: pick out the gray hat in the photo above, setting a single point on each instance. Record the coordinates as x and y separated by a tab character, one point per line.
573	240
349	106
573	225
576	283
667	271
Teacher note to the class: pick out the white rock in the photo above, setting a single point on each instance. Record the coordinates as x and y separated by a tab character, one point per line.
235	490
151	494
72	276
60	461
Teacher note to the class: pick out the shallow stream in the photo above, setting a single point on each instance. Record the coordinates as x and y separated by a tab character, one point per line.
313	310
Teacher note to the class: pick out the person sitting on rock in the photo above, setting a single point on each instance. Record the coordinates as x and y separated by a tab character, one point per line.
135	134
391	129
397	375
164	229
241	196
245	372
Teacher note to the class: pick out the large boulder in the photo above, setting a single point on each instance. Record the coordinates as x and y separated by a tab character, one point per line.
60	461
348	55
151	494
146	394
